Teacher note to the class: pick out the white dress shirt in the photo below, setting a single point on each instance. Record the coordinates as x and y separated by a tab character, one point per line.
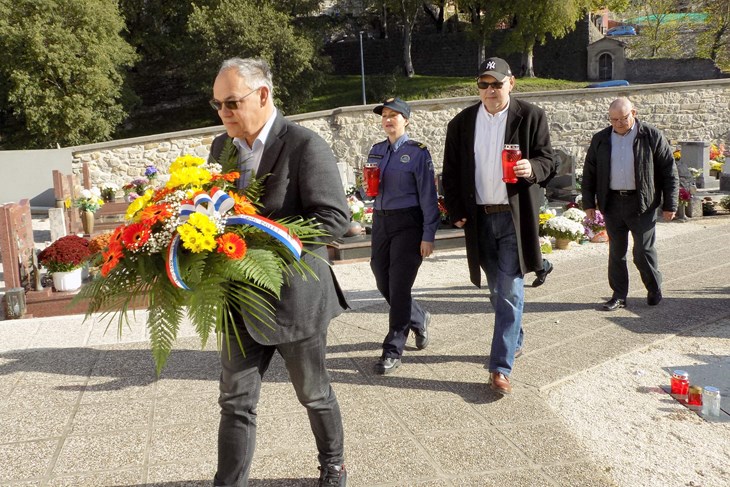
249	158
488	144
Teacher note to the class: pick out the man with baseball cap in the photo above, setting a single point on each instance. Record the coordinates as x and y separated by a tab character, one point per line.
500	220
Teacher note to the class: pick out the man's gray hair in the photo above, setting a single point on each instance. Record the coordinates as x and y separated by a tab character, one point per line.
255	72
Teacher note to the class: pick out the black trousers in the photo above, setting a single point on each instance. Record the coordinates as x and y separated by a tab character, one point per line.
622	217
395	259
240	386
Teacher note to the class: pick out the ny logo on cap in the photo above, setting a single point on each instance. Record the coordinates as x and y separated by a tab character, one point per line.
491	65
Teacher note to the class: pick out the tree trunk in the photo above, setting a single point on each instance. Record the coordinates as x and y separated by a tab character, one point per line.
527	69
384	23
407	61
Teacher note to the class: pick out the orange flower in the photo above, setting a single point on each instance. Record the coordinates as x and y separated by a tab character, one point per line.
111	259
232	245
116	238
155	213
135	235
229	176
242	206
161	193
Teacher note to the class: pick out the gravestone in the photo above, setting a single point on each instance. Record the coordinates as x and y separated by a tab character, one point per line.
17	245
562	187
65	189
57	222
696	155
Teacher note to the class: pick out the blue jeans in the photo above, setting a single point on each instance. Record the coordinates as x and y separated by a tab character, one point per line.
240	386
500	260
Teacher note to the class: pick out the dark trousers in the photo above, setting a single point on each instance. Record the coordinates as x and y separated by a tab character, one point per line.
622	216
240	386
395	259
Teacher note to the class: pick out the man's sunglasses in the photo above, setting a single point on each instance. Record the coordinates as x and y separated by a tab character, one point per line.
229	104
483	85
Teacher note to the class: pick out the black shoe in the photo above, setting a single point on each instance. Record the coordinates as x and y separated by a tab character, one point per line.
652	299
387	365
422	335
332	475
542	275
613	304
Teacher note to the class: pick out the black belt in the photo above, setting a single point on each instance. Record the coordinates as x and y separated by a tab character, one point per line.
396	211
623	192
490	209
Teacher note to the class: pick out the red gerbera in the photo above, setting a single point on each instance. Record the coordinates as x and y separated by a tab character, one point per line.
111	259
155	213
135	235
232	245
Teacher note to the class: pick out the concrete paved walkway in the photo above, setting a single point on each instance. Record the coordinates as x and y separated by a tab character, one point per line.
79	407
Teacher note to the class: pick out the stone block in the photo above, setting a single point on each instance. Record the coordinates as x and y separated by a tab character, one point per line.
57	221
724	181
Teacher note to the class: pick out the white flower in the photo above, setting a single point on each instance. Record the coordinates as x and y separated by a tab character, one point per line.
110	187
86	194
575	214
562	227
96	192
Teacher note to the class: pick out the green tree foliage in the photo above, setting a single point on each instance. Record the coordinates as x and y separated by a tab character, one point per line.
534	20
658	33
484	17
248	28
61	71
714	42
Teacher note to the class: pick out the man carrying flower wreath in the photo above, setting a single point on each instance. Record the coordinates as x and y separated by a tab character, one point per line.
300	178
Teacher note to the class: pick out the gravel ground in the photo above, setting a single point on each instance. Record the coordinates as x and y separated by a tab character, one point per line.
639	433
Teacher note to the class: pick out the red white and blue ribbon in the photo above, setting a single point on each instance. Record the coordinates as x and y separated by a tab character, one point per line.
219	204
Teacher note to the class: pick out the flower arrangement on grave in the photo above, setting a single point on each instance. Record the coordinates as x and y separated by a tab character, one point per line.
109	191
684	196
564	228
677	154
97	245
89	200
65	254
595	227
717	157
195	247
134	189
357	208
575	214
545	215
150	172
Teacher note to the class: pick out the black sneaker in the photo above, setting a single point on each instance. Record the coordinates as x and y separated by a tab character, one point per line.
387	365
332	476
422	335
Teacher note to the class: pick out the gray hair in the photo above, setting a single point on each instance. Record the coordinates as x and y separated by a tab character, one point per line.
255	72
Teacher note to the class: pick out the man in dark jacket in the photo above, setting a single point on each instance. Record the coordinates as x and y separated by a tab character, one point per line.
629	172
301	180
500	220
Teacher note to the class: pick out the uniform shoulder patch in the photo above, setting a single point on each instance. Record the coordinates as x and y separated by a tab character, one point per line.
419	144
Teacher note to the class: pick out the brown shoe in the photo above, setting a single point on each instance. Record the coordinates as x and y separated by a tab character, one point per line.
500	383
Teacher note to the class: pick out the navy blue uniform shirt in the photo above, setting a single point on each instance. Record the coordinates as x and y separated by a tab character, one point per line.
407	180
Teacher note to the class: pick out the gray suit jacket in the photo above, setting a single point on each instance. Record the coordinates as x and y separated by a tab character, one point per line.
303	180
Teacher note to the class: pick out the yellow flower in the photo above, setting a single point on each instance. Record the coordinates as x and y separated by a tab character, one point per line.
186	161
202	223
139	203
545	217
189	176
716	166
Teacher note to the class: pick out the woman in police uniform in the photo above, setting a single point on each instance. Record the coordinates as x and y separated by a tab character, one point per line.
405	219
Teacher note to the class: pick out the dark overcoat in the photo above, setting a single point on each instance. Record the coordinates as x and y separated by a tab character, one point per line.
527	127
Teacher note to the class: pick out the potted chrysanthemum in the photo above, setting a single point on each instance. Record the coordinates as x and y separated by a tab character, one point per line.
64	259
564	230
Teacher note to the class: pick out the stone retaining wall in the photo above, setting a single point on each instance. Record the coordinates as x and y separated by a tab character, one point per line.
696	110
